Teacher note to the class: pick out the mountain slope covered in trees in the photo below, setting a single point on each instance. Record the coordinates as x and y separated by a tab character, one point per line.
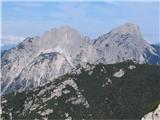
115	91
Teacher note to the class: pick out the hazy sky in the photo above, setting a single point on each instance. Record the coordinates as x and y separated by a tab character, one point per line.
23	19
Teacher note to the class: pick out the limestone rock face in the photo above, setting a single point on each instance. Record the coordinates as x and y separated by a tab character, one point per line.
38	60
14	60
123	43
43	69
68	42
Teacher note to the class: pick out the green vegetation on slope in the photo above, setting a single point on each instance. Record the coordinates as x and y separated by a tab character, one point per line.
99	94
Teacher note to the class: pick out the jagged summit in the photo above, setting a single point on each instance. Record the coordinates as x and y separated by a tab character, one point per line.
62	37
121	34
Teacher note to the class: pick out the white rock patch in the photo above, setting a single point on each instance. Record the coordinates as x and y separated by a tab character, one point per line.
66	91
131	67
141	59
4	101
41	92
34	106
108	81
119	74
46	112
155	115
90	72
27	105
66	114
69	118
101	70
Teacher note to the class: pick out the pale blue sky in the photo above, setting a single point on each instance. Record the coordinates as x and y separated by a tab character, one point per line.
23	19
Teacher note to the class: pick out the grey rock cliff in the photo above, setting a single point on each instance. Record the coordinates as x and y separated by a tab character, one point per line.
34	61
37	60
123	43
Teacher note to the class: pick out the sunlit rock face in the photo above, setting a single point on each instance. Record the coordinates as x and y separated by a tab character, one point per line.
38	59
123	43
16	59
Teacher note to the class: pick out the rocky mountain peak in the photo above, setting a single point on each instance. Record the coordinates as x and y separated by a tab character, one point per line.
130	28
122	43
64	30
61	34
127	32
63	38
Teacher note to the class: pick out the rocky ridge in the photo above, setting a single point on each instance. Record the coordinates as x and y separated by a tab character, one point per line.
113	91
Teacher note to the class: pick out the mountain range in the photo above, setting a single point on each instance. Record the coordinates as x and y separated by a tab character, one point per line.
64	75
37	60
